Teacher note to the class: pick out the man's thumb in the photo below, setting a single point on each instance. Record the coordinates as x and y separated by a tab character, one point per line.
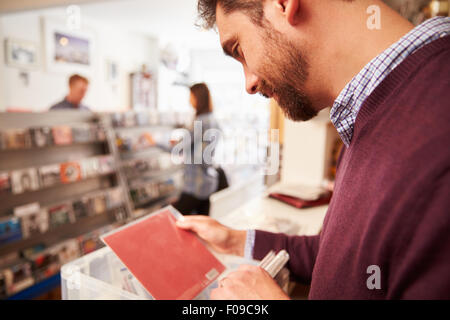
186	224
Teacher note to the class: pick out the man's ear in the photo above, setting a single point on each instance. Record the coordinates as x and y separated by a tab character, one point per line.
290	10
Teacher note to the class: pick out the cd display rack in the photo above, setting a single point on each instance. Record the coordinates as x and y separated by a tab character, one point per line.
59	184
147	170
66	177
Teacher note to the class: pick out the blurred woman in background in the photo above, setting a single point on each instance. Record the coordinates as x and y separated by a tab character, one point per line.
200	180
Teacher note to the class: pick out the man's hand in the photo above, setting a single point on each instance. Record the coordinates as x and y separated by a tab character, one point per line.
248	283
220	238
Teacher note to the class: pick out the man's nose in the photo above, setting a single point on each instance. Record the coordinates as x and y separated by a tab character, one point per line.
251	81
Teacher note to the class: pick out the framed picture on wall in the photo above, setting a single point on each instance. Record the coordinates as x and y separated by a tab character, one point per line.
22	54
68	51
111	71
143	90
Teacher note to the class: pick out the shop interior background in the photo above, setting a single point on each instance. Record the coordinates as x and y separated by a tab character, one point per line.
125	37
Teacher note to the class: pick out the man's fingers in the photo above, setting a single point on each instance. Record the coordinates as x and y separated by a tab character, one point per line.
193	223
221	294
236	275
216	294
248	267
187	224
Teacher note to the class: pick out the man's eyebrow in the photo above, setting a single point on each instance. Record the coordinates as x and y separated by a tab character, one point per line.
226	46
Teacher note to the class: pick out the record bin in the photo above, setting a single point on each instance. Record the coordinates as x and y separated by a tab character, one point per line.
102	276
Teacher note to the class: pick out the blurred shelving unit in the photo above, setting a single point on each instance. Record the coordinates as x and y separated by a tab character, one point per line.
99	179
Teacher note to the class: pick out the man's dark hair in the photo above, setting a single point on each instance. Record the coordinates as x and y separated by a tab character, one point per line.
207	10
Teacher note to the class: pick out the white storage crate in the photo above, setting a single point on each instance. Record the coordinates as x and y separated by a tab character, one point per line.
100	275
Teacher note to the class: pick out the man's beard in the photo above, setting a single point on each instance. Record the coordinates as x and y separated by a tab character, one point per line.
286	70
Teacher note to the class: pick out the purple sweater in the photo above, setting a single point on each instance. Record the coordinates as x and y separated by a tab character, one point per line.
391	205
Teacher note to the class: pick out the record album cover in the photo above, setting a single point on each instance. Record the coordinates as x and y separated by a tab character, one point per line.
90	167
136	167
18	139
5	182
185	269
119	214
62	135
60	214
44	263
50	175
82	133
41	137
90	242
81	208
301	203
114	198
33	220
67	251
97	203
18	277
106	164
24	180
70	172
99	133
10	229
30	251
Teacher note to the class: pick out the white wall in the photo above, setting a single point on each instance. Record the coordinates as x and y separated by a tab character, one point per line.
17	5
130	51
307	148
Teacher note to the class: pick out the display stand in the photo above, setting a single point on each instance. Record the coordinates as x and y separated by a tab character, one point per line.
150	177
30	260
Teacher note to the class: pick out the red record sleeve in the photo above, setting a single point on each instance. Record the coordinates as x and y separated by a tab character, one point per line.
171	263
301	203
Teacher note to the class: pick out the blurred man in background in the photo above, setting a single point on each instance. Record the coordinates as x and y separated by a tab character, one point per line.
78	86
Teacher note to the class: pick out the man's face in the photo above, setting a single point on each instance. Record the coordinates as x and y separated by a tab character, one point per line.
78	90
273	66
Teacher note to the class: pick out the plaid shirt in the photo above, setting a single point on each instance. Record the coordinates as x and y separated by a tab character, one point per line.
347	105
345	108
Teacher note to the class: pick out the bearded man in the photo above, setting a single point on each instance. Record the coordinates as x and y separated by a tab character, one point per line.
388	86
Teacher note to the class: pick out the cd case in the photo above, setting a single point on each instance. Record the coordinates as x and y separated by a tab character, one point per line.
33	220
170	263
10	229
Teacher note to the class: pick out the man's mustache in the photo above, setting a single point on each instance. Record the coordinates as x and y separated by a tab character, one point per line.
265	89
